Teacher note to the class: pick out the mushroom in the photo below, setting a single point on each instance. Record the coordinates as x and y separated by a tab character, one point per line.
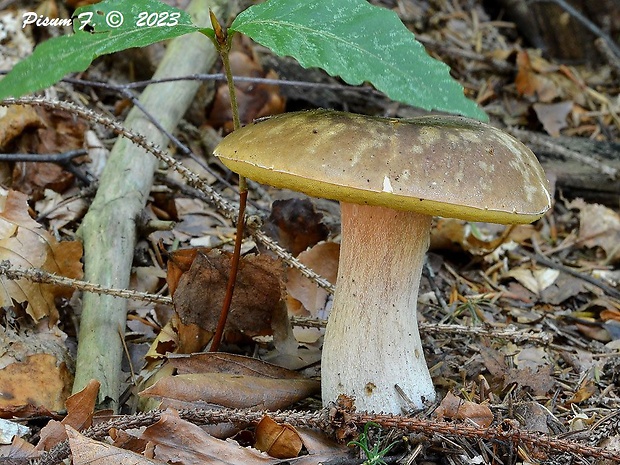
391	177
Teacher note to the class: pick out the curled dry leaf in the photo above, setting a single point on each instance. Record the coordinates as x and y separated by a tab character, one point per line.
535	281
459	409
304	297
280	441
25	243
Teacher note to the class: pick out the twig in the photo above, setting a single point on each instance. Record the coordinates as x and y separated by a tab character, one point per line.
37	275
222	77
429	274
333	419
538	257
510	332
614	60
43	157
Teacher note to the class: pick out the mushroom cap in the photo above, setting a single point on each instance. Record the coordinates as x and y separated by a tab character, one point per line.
437	165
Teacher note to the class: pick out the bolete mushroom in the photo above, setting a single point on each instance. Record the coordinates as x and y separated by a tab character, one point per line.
391	177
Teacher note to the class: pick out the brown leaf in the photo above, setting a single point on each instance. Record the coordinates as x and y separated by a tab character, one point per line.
585	391
539	380
295	224
199	296
25	243
230	390
217	362
179	441
60	132
280	441
16	120
39	379
530	83
599	226
86	451
459	409
322	258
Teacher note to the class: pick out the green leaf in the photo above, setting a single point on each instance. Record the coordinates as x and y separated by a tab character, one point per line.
358	42
55	58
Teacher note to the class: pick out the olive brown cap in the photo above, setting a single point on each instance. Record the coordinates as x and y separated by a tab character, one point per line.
437	165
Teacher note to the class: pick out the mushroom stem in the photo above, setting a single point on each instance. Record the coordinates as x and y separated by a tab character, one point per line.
372	341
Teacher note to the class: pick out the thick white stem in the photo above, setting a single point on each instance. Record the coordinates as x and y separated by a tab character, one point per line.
372	341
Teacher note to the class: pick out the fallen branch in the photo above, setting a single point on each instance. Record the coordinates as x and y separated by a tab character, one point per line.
344	424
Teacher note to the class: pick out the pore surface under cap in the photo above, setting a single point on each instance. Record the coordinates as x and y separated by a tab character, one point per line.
437	165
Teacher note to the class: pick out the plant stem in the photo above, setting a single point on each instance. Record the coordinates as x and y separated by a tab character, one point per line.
223	42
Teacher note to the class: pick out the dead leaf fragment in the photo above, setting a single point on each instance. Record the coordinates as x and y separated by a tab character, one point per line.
459	409
178	441
599	226
228	390
199	297
535	281
25	243
553	116
86	451
296	224
280	441
80	410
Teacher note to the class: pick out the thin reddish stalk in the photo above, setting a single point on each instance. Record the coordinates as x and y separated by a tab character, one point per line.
223	42
232	278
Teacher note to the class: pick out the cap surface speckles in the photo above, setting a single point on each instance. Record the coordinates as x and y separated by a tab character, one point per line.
438	165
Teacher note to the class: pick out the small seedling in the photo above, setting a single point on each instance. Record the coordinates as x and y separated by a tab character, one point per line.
374	456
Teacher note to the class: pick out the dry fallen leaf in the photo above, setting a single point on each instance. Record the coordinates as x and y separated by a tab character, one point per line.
553	116
535	281
25	243
280	441
199	296
178	441
230	390
86	451
599	226
295	224
304	297
80	410
459	409
34	368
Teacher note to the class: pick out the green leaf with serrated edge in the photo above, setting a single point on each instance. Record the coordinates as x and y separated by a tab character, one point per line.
358	42
55	58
